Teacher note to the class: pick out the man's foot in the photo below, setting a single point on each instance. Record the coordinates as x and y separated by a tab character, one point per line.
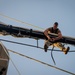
45	47
67	50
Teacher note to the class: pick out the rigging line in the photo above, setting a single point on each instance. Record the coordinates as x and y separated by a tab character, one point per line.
21	21
52	55
29	45
42	62
11	60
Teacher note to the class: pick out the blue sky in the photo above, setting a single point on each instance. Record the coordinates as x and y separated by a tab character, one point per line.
42	13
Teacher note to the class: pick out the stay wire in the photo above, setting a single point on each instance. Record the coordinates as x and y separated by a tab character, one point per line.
42	62
30	45
21	21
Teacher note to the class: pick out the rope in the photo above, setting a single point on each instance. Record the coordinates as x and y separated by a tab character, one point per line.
30	45
11	60
21	21
42	62
52	55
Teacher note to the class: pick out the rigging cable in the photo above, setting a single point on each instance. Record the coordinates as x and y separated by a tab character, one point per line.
11	60
21	21
30	45
42	62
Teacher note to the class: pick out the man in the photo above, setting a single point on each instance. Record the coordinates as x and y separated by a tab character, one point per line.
55	30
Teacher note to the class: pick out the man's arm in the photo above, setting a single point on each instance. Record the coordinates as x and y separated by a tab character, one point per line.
46	34
59	36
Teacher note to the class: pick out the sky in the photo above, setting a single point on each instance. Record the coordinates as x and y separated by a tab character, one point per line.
41	13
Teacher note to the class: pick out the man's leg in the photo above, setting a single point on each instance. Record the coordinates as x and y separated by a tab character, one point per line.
46	45
59	45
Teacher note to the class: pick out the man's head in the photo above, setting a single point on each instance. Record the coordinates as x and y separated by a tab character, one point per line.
55	25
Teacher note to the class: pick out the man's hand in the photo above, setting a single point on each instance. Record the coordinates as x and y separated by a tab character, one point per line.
53	39
49	38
